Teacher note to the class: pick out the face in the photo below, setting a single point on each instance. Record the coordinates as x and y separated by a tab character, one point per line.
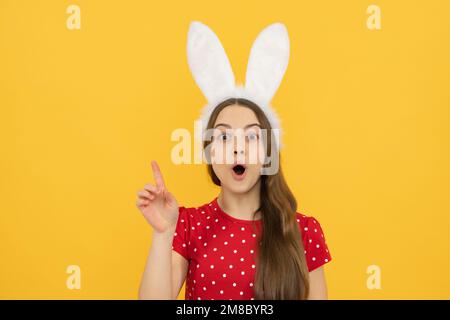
237	148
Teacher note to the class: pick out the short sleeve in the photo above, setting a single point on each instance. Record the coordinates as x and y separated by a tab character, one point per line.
181	240
317	252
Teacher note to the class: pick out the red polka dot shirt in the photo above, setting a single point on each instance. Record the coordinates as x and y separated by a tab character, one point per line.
221	251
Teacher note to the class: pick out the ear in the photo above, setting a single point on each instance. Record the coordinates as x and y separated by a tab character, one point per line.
268	61
208	62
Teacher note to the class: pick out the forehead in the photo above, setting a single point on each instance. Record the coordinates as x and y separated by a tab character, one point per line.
236	116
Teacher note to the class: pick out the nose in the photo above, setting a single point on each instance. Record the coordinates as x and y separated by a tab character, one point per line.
241	152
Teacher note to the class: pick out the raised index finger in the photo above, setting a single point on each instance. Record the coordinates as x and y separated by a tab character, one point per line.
157	175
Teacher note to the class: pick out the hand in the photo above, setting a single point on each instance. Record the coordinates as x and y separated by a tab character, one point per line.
157	204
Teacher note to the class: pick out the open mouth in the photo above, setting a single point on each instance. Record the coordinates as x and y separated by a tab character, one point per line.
239	169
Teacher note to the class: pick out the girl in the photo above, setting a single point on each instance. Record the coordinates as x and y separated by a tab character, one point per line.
249	242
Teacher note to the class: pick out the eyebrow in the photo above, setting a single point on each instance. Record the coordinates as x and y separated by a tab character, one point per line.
245	127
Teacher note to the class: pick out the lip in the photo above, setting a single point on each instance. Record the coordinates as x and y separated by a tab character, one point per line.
235	175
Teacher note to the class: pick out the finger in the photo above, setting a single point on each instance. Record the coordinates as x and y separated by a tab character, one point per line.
169	198
158	175
151	188
145	194
142	202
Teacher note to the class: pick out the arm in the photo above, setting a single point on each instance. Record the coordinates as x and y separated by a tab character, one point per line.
165	269
317	285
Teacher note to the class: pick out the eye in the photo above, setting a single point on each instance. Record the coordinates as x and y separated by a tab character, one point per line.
252	136
224	136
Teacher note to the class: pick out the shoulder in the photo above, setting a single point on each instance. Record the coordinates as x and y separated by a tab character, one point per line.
314	241
308	224
195	215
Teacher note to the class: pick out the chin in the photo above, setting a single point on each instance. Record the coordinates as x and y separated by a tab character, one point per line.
239	187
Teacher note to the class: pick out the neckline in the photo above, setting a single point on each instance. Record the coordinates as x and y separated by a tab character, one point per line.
231	218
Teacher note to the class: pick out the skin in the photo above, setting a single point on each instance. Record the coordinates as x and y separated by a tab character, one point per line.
166	269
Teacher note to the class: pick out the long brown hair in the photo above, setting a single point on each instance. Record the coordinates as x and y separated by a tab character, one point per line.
281	270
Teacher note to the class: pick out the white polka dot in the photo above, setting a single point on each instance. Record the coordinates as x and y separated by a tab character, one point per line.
251	284
182	220
195	249
205	244
326	260
235	251
253	266
232	235
193	228
213	282
314	221
221	258
223	228
175	234
225	243
212	266
215	209
217	220
306	229
202	275
243	240
313	258
310	240
205	255
254	235
298	220
198	266
208	217
221	291
215	249
199	237
214	236
242	272
315	230
198	223
234	284
199	298
207	227
241	293
231	266
252	251
224	275
204	288
242	228
317	245
242	259
203	212
184	244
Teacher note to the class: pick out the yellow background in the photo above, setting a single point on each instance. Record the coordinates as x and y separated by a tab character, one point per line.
365	116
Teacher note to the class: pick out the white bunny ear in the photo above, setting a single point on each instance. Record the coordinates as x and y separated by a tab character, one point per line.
268	61
208	62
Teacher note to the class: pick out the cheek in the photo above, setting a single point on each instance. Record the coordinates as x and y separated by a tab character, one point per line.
222	153
255	153
219	170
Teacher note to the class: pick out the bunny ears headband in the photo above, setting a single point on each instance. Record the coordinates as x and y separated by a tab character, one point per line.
212	71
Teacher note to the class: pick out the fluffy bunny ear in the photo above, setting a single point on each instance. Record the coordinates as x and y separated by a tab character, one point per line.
208	62
268	61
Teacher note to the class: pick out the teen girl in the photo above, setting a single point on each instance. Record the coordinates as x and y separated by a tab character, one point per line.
249	242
